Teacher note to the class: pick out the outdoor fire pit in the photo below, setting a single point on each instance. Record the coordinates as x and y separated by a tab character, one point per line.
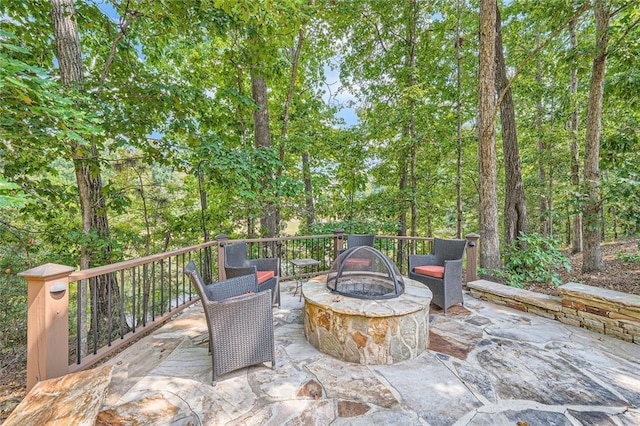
365	312
365	273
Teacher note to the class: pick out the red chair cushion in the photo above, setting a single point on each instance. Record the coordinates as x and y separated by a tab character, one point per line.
264	276
430	270
357	261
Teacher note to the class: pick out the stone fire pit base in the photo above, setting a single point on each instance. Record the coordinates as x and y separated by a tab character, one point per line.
367	331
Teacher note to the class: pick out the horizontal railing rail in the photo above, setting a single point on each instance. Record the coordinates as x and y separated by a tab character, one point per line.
77	318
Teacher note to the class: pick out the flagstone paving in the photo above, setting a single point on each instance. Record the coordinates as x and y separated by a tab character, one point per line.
486	365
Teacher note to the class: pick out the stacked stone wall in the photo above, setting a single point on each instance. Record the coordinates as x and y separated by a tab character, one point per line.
601	310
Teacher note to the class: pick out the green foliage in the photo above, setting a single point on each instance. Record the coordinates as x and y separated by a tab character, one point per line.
13	315
533	258
182	75
11	195
629	257
349	227
13	294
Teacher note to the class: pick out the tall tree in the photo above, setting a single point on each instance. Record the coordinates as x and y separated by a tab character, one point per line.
407	160
515	203
87	168
576	220
592	256
541	146
458	45
295	62
487	179
262	136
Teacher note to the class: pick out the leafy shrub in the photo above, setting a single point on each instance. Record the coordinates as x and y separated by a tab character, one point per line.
533	258
629	257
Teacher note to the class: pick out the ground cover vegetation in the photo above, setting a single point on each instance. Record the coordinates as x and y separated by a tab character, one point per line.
132	127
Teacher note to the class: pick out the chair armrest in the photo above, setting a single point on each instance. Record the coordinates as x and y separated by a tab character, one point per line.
231	287
239	271
421	260
452	268
267	264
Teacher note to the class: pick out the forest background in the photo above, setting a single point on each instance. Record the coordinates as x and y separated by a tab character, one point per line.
132	127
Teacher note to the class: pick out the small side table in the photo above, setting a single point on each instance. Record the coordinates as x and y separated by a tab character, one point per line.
302	265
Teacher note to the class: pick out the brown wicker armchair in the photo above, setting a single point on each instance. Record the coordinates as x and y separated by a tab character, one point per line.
441	271
239	319
266	270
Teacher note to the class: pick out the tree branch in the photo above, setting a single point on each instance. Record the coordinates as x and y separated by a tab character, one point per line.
531	55
625	34
124	25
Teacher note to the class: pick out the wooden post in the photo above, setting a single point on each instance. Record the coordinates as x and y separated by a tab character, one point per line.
472	257
338	242
222	241
47	322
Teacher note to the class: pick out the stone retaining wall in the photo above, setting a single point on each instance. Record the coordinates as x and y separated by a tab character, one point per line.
604	311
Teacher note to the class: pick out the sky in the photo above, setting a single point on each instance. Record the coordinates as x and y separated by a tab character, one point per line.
337	97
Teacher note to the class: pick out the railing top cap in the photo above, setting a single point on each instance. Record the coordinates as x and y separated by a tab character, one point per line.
47	270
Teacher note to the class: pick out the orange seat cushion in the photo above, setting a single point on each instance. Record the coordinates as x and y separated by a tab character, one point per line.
430	270
264	276
357	261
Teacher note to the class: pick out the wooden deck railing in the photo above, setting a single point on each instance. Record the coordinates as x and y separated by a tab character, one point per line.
77	318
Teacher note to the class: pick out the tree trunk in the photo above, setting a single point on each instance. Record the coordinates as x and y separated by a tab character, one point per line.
592	256
414	189
541	147
407	161
459	125
240	110
402	217
488	185
88	178
295	60
310	211
515	205
263	139
413	155
207	274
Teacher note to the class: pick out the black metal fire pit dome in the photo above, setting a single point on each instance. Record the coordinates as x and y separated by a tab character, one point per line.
365	273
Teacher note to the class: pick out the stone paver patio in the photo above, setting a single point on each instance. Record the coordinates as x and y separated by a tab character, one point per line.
486	365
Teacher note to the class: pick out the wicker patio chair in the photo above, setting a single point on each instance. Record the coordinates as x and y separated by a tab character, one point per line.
441	271
239	319
359	263
354	240
267	270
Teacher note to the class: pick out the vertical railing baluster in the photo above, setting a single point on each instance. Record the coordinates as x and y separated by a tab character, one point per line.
109	324
153	291
177	280
133	299
183	282
80	284
147	293
169	287
94	312
161	286
122	305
